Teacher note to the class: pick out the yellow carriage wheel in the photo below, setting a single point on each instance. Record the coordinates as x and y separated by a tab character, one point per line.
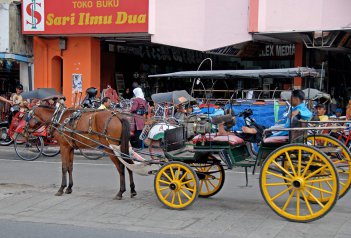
176	185
211	177
342	160
288	189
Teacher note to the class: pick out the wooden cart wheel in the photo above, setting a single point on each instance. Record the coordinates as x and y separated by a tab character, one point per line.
342	161
211	178
288	191
171	185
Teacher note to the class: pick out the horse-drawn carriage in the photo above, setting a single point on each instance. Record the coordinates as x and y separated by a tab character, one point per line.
299	177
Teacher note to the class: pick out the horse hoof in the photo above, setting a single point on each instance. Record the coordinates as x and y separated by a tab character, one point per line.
118	198
133	194
59	193
68	191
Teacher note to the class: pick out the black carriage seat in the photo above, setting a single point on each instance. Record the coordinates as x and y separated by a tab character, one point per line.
174	145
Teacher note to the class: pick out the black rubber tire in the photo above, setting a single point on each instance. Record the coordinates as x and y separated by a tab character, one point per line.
39	148
97	156
8	140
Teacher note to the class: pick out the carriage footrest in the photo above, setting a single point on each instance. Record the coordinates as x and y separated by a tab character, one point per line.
248	162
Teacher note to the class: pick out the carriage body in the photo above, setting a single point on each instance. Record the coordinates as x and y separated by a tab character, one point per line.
299	176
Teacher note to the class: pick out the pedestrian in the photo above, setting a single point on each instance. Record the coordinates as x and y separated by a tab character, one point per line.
127	94
135	85
17	103
138	109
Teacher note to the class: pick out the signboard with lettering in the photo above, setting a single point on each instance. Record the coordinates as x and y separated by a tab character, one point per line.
259	50
277	50
52	17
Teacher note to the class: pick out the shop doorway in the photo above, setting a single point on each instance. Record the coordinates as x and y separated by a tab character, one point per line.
57	73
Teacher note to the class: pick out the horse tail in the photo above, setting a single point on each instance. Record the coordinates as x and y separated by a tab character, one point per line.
125	137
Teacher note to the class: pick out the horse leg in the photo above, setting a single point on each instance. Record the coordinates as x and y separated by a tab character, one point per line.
64	159
70	172
120	169
122	178
133	193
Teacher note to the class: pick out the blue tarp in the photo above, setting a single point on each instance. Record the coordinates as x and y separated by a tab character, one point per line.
263	114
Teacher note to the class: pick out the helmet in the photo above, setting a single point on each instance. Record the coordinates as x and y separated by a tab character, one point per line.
91	92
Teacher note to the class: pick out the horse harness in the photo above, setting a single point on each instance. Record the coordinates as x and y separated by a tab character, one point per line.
73	120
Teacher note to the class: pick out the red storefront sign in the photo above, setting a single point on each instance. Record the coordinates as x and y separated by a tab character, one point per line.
53	17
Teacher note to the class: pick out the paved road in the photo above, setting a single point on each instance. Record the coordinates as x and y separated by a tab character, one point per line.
15	229
27	195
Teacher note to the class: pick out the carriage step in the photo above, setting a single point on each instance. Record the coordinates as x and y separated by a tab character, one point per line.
248	162
245	163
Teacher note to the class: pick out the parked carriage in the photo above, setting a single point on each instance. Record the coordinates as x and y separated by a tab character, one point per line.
299	175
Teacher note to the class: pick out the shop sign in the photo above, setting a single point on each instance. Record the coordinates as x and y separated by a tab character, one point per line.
51	17
165	54
272	51
277	50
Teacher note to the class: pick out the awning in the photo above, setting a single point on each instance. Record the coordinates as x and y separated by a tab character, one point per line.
310	94
259	73
16	57
175	97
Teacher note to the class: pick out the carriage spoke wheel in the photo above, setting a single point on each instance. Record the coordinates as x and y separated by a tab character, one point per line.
341	160
176	185
211	177
289	189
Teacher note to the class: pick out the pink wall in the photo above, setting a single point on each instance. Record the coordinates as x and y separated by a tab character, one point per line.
208	24
303	15
199	24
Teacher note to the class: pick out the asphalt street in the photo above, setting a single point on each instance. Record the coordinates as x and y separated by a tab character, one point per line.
28	207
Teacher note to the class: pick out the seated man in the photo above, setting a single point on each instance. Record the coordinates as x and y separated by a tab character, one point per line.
299	110
321	112
105	103
180	112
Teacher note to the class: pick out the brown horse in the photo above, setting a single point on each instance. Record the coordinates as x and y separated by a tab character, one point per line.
104	127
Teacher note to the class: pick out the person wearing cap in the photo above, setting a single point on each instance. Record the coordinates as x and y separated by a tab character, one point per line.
321	111
338	112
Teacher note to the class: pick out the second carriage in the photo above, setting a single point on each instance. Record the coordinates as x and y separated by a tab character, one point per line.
301	176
